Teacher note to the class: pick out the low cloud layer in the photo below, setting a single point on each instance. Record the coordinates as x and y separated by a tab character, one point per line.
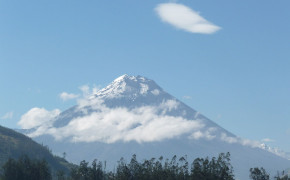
246	142
209	134
182	17
37	117
142	124
109	125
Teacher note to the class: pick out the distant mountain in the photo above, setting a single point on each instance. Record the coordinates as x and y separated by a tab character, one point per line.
14	144
133	115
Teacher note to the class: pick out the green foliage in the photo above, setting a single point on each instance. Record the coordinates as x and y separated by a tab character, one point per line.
60	175
177	169
14	145
26	169
259	174
213	169
86	172
174	169
282	176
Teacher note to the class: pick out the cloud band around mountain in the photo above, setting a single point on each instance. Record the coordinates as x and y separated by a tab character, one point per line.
109	125
37	117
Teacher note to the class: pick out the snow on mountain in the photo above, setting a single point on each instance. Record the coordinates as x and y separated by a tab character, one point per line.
133	115
132	108
128	86
276	151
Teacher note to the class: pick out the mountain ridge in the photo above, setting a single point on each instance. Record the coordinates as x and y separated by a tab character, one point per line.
15	145
133	115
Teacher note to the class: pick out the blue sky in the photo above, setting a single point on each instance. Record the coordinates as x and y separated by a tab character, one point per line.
237	75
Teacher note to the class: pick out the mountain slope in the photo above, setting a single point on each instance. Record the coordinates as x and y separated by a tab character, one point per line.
14	145
133	115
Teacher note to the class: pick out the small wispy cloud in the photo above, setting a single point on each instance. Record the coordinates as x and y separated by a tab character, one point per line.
89	91
8	115
186	97
245	142
68	96
267	140
156	92
183	17
86	92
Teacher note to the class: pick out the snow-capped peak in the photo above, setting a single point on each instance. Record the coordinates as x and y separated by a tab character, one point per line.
122	78
129	86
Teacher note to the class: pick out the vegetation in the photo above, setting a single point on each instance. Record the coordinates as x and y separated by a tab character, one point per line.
26	169
40	164
179	169
153	169
14	145
259	174
282	176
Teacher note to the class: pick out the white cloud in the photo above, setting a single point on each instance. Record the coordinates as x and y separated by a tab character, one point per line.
142	124
183	17
109	125
8	115
155	92
37	117
168	105
244	142
196	135
187	97
87	91
229	139
208	134
68	96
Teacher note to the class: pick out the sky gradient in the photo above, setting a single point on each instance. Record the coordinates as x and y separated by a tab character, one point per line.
237	74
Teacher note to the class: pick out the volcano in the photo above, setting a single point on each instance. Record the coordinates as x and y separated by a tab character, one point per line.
133	115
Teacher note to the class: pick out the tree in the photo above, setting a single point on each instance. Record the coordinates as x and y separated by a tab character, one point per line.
283	176
123	172
175	169
86	172
214	169
259	174
26	169
96	171
60	175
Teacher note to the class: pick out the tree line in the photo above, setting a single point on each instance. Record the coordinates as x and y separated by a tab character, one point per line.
215	168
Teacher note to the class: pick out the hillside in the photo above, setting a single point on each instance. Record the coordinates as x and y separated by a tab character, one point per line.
14	144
